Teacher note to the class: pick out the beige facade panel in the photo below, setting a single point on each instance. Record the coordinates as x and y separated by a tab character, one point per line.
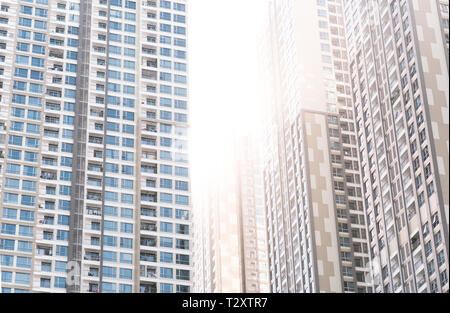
324	225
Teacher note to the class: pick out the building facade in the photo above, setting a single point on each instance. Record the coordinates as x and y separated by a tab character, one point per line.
95	188
314	203
398	58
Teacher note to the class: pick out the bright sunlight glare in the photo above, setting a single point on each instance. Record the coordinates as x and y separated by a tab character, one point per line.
224	83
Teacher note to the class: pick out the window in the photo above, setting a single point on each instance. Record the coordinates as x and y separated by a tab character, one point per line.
63	220
180	67
166	272
47	267
166	257
11	198
441	258
181	171
430	189
108	287
166	227
60	282
437	239
183	289
23	246
9	213
126	228
123	288
22	278
126	258
26	231
430	268
126	243
166	183
166	212
125	273
110	241
6	277
182	259
182	274
166	169
130	5
166	242
8	229
182	200
182	229
344	241
444	278
179	30
166	288
182	244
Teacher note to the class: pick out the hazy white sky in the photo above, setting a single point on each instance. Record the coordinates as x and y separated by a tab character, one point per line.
224	87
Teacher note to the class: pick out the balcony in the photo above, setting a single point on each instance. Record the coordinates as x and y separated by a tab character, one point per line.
415	242
44	251
51	119
91	256
148	257
148	197
150	115
49	161
149	227
149	4
149	156
420	281
394	267
149	169
397	285
54	54
148	289
96	140
148	212
94	212
151	102
47	220
151	39
96	113
95	168
57	67
148	51
94	196
149	141
148	271
48	175
93	288
151	63
148	242
149	75
93	272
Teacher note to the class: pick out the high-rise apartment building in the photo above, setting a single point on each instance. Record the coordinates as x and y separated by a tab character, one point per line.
230	252
253	223
94	168
398	58
314	202
216	252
